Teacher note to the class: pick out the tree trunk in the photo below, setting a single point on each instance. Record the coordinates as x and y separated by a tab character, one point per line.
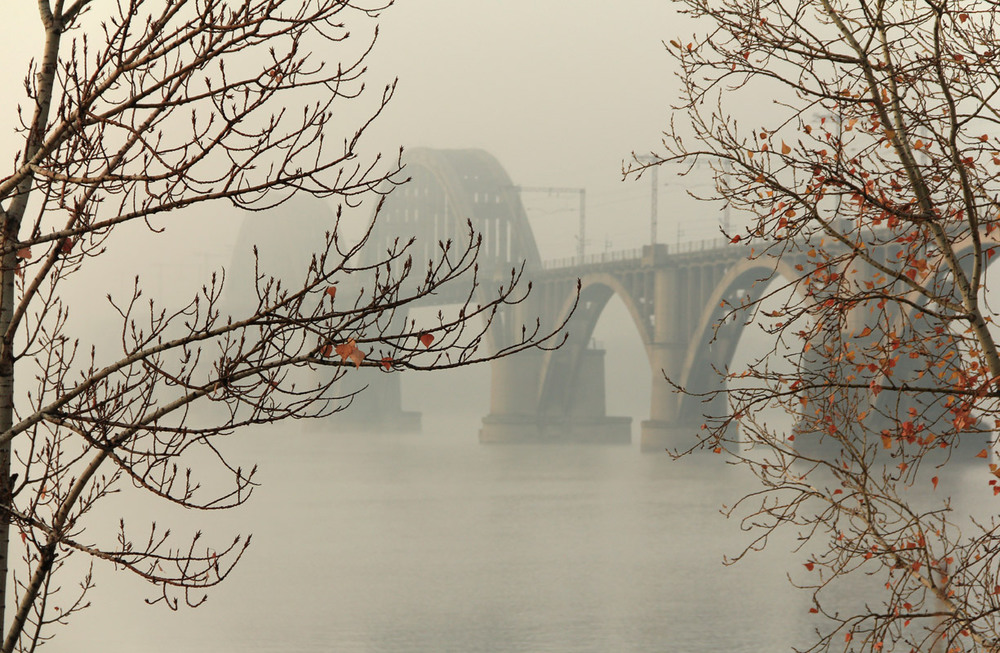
7	273
10	229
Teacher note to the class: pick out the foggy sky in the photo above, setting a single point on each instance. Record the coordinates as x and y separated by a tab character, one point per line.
559	91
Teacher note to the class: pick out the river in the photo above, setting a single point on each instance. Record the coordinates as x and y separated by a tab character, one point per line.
433	542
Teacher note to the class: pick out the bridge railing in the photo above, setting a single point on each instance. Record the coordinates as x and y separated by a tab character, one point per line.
634	254
697	245
594	259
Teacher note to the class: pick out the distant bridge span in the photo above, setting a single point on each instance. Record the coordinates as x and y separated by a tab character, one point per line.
673	295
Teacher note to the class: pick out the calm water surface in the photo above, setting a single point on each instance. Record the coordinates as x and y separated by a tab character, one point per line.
432	542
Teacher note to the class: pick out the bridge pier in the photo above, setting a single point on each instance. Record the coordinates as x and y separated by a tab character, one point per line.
668	426
516	416
377	408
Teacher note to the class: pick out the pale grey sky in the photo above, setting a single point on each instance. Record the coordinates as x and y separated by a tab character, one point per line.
560	91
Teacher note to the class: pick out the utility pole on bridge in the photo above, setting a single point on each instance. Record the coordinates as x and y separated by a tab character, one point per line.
654	202
555	190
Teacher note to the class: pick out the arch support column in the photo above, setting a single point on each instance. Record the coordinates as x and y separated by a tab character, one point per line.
377	406
516	414
667	427
514	386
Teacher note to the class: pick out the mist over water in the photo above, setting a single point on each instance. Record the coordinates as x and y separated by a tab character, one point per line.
432	542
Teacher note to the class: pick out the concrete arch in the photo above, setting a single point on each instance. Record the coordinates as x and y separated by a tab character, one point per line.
964	250
560	367
702	353
910	370
615	287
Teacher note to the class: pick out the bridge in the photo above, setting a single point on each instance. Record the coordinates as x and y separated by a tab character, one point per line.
673	295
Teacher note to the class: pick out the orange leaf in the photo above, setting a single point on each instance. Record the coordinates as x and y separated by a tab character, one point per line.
717	450
865	332
984	138
332	291
426	339
327	350
875	387
813	610
67	245
847	637
24	252
963	17
349	351
809	565
387	362
735	239
344	349
989	253
983	454
934	482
